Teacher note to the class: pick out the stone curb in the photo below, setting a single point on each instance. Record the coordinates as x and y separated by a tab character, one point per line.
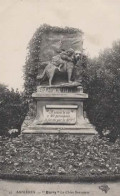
60	178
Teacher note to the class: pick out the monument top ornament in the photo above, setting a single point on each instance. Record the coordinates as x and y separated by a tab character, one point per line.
60	65
57	49
64	62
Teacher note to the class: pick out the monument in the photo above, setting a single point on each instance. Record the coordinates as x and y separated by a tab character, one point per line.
59	98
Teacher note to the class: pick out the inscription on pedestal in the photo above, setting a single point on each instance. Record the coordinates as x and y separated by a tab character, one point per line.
73	87
60	114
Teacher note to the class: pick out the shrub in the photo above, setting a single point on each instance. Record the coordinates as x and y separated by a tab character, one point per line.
102	82
13	109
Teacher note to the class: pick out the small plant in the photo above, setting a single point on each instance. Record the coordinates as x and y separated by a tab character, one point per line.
13	132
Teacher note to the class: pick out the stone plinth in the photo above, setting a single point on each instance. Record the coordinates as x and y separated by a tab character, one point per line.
60	110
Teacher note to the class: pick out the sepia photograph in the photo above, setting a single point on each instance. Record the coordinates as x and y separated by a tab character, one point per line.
59	97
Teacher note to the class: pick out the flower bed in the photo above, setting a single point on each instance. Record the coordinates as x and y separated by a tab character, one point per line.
59	154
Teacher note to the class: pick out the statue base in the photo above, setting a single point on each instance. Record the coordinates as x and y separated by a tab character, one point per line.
59	109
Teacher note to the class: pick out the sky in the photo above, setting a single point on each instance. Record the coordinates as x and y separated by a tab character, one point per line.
19	19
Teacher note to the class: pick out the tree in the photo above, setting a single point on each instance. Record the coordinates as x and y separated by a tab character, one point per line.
13	108
103	86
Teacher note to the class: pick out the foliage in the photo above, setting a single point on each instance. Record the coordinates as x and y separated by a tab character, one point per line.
102	82
59	154
13	109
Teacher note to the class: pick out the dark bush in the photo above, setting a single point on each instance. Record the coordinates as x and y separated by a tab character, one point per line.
13	108
102	82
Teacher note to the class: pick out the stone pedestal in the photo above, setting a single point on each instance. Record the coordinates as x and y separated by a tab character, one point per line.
60	110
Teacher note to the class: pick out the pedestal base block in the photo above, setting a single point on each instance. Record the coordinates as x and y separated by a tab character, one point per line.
60	110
